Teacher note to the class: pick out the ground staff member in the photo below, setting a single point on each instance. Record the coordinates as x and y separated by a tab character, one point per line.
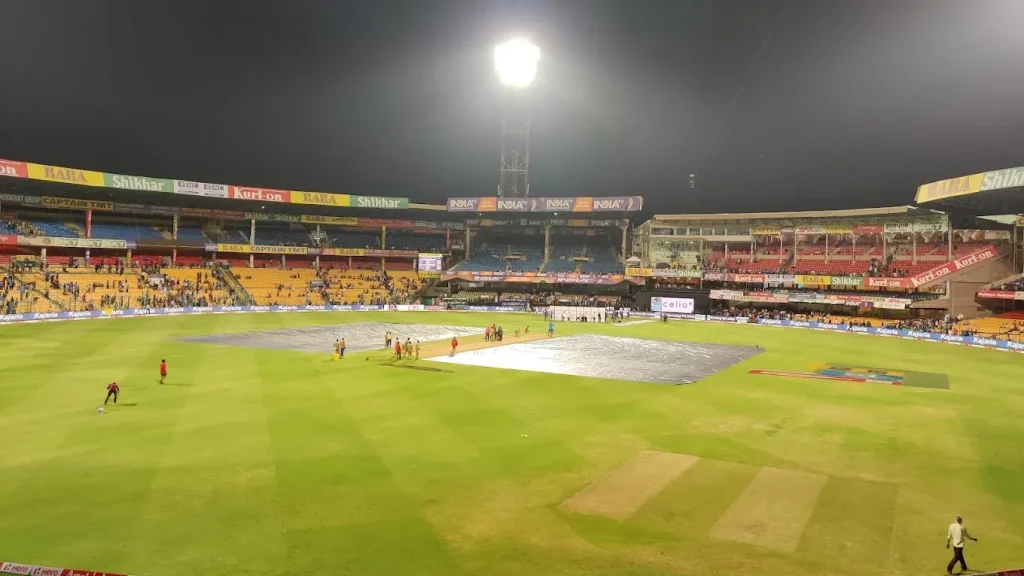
955	536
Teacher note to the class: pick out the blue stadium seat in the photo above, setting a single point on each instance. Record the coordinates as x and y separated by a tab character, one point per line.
189	234
54	228
126	232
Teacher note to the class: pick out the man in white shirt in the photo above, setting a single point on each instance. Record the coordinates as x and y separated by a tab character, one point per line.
955	536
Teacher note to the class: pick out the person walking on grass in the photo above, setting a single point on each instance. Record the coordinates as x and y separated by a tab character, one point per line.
955	536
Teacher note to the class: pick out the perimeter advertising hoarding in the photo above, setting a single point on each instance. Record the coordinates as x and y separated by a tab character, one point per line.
972	184
673	305
954	265
122	182
1001	294
247	249
546	204
52	242
65	175
662	273
538	278
13	169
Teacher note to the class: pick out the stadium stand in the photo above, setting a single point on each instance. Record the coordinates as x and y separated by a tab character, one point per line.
430	243
55	228
191	234
196	284
563	253
511	254
127	232
369	286
285	287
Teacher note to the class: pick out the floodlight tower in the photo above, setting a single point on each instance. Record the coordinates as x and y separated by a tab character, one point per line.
515	62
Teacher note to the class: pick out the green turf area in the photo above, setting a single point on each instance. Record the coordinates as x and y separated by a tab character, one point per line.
261	462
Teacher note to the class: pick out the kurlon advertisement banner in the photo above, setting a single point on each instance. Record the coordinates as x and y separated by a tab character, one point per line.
13	169
259	194
954	265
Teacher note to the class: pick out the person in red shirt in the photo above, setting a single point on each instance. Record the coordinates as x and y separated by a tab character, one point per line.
163	370
112	390
398	350
455	344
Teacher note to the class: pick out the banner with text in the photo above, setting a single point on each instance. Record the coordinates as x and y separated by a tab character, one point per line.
814	280
964	185
335	220
1001	294
379	202
546	204
661	273
122	182
51	242
65	175
72	204
13	169
247	249
320	199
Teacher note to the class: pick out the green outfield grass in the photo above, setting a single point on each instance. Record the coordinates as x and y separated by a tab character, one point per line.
258	462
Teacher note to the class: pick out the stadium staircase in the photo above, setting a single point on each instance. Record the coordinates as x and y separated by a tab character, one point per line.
76	228
231	280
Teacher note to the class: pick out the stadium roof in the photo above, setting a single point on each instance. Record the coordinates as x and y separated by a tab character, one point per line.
854	213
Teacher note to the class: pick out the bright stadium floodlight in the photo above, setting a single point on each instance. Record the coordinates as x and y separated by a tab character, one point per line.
515	62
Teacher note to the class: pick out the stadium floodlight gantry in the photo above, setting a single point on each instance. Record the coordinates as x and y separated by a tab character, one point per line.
516	63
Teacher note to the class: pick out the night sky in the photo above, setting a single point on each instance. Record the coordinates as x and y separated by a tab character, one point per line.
774	104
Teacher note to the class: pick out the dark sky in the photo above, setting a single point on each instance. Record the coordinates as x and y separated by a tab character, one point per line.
850	104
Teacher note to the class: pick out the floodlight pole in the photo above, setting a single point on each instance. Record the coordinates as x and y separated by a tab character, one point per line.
514	174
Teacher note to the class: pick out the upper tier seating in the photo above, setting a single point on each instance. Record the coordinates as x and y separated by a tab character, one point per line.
126	232
430	243
54	228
